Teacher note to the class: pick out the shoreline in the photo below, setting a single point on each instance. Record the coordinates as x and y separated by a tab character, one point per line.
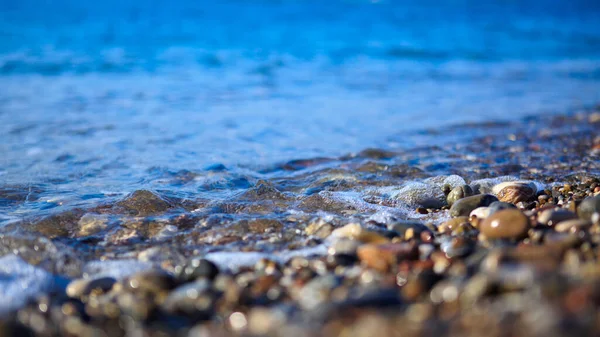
375	241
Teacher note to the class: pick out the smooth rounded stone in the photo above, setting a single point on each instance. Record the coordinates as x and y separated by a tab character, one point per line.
485	186
317	291
588	207
344	246
515	191
151	281
197	268
90	224
505	224
480	212
551	217
572	225
187	298
456	246
419	194
453	223
83	287
144	203
458	193
383	257
499	205
465	206
401	227
355	231
319	228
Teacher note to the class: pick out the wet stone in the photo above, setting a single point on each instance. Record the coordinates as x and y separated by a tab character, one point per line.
465	206
459	192
551	217
83	287
515	191
499	205
588	207
144	203
197	268
572	225
505	224
453	223
383	257
152	281
57	225
401	227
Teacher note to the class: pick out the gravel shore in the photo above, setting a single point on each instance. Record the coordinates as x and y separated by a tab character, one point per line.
497	235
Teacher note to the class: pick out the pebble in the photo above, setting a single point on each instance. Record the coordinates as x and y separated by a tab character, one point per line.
588	207
572	225
383	257
551	217
144	203
505	224
83	287
152	281
453	223
480	213
357	232
465	206
515	191
401	227
459	192
197	268
499	205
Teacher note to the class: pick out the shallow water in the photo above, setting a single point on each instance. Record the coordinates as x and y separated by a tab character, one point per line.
103	98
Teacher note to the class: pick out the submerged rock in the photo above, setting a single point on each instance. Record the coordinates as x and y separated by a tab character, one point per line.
144	203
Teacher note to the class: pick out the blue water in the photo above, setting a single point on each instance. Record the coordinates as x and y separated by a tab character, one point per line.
97	95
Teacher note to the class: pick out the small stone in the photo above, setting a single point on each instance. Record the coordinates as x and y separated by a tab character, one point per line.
588	207
572	225
144	203
152	281
515	191
499	205
453	223
90	224
383	256
83	287
551	217
465	206
458	193
401	227
505	224
355	231
480	213
198	268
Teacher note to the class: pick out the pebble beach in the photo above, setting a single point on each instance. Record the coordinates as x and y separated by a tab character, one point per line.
498	238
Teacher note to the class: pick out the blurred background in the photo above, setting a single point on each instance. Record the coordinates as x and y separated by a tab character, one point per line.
96	94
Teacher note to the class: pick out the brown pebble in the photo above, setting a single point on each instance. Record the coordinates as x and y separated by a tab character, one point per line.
505	224
552	217
514	192
453	224
422	210
382	257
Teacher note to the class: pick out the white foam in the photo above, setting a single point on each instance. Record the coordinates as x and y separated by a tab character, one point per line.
115	268
236	260
20	282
